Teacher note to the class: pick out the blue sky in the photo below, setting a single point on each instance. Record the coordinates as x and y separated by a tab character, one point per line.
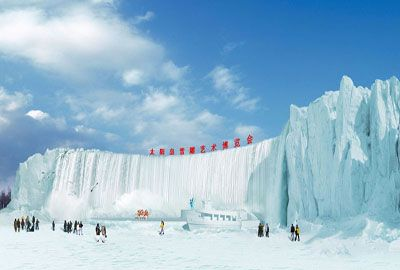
126	76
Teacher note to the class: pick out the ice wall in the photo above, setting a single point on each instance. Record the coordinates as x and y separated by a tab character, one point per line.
336	158
343	153
162	184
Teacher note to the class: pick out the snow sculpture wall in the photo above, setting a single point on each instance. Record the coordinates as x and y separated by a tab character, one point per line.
338	157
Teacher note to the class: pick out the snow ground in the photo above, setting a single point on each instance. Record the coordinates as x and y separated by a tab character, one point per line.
137	245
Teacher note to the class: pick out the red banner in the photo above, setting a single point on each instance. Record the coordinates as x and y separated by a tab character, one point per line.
202	148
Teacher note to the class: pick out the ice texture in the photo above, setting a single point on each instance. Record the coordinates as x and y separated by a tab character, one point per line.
336	158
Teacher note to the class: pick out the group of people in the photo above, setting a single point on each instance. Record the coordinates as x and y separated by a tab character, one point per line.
75	227
26	224
261	230
21	224
101	233
295	233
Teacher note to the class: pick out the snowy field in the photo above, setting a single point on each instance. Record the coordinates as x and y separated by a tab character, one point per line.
137	245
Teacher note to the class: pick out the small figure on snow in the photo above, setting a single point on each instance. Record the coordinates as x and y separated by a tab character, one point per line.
37	224
103	233
191	203
98	232
297	232
162	225
53	226
260	230
28	224
80	228
292	233
18	225
266	230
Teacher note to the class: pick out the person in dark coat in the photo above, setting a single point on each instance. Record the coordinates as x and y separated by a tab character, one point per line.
80	228
292	233
37	224
22	223
266	230
28	224
65	226
53	225
98	231
18	225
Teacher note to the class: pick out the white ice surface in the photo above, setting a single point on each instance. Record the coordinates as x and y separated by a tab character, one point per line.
137	245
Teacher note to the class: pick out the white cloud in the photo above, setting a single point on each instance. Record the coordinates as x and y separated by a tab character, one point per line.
158	117
158	102
45	118
228	84
149	15
133	77
100	105
168	71
85	130
92	132
14	101
243	131
37	114
111	136
10	104
205	118
81	40
172	72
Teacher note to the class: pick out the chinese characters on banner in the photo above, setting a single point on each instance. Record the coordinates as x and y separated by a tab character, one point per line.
192	149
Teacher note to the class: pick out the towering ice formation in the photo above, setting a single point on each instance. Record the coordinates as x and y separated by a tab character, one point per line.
339	157
64	182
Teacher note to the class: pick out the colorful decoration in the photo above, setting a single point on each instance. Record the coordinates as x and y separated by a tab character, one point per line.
192	149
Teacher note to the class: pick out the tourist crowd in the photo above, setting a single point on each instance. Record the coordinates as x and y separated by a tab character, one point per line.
24	223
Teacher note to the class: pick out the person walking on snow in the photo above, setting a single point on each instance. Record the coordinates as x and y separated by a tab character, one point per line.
292	233
53	226
98	232
162	225
37	224
80	228
15	225
18	225
260	230
103	233
22	223
28	224
266	230
297	232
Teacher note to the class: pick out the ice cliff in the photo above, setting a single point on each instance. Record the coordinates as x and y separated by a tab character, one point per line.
336	158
